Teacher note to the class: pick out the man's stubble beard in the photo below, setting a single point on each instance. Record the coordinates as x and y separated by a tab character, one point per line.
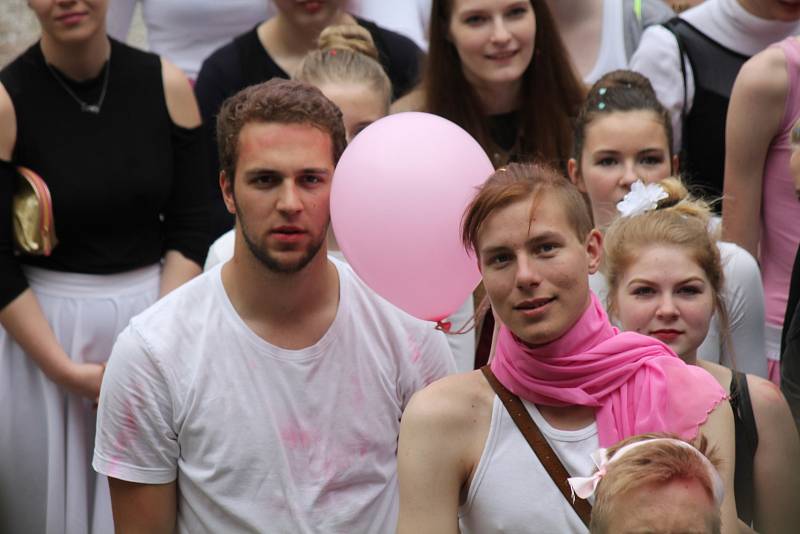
269	261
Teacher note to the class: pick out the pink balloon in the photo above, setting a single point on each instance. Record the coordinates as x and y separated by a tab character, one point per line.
399	192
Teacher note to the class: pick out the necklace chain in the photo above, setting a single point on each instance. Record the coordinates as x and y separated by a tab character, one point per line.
85	107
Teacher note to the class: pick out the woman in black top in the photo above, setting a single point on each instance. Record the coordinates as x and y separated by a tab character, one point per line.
275	48
115	134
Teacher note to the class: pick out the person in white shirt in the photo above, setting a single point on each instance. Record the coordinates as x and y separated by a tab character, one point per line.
186	31
692	62
408	17
345	70
267	395
601	35
464	457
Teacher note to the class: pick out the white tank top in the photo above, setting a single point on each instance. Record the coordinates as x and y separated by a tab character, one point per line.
611	55
512	492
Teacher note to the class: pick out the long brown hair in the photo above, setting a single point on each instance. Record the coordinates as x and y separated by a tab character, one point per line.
551	93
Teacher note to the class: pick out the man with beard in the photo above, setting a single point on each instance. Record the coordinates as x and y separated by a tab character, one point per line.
267	394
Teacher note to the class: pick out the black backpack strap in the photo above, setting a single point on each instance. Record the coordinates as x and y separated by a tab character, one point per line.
672	25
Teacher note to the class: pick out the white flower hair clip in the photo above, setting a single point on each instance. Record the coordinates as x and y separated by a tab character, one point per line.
641	199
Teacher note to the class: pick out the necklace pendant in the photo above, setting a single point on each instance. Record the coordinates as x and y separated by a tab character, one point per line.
90	108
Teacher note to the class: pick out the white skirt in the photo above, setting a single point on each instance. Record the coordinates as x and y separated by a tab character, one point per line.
47	484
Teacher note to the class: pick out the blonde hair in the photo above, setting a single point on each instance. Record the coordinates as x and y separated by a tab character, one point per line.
681	220
657	463
346	54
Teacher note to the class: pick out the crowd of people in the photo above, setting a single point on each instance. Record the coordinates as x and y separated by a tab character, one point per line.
183	346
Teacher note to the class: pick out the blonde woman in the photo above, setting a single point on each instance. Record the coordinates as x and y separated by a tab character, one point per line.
665	279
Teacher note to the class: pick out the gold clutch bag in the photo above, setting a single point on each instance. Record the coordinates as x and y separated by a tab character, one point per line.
32	211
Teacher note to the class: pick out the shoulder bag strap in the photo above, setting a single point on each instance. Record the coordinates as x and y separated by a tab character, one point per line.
539	444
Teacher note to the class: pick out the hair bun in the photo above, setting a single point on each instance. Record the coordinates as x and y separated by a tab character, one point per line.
623	78
348	37
682	201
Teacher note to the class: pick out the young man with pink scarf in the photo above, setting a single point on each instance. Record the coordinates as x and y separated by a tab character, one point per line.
463	463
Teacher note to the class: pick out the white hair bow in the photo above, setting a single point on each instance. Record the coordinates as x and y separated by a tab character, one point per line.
641	198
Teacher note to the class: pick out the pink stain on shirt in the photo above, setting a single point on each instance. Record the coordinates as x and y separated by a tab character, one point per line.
414	348
129	429
296	437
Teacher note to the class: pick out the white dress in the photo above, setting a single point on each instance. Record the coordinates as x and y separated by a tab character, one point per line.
46	434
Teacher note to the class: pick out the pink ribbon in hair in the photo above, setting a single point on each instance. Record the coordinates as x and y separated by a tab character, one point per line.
584	487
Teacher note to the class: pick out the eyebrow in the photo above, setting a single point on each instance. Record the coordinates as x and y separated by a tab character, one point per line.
273	172
548	235
613	151
685	281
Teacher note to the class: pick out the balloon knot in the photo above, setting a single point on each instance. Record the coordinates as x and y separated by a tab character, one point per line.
444	326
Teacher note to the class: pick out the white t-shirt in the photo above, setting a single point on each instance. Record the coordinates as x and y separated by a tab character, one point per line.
187	31
461	345
512	492
744	297
611	54
724	21
408	17
259	438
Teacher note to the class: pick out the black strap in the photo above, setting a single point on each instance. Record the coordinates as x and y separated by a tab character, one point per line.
670	25
539	444
741	391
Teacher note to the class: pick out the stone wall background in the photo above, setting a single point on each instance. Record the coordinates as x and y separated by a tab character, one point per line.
19	29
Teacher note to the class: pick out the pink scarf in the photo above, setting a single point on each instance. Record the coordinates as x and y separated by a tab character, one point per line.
636	382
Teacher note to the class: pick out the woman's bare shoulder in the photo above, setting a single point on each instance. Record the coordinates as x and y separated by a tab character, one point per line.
769	406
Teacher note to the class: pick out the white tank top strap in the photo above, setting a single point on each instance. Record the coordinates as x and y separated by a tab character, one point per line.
611	55
511	491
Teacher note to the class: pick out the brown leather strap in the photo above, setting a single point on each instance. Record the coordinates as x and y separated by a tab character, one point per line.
539	444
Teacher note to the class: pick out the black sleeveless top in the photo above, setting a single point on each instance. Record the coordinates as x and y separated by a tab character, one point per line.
746	445
703	143
126	183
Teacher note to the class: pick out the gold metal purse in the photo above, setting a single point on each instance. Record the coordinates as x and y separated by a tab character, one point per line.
32	212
